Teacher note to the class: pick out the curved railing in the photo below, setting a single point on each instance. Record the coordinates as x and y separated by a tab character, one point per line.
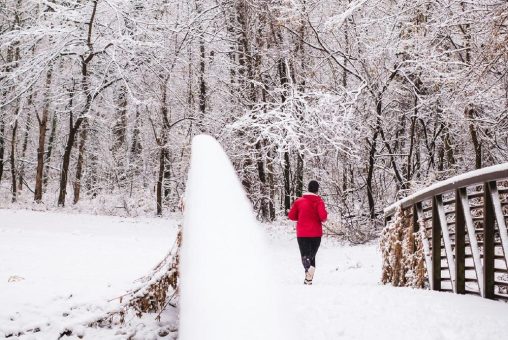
462	223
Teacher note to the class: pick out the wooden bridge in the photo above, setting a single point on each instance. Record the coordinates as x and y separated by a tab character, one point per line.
462	225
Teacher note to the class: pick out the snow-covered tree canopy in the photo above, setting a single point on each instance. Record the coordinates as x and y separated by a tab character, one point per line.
373	98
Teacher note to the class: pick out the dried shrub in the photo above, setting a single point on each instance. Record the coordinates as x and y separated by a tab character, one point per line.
355	231
402	252
155	291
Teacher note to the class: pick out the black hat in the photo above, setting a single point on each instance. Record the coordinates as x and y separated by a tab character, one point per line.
313	187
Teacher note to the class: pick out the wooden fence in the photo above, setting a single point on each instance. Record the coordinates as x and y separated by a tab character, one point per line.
463	225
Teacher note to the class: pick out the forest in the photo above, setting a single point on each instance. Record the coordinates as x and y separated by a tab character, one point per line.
99	99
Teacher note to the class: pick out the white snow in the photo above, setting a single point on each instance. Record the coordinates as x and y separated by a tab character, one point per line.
97	258
346	300
337	21
227	289
65	268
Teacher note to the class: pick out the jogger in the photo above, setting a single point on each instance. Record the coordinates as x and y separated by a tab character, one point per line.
309	211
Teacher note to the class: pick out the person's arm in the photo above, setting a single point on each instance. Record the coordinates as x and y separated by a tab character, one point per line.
293	212
323	214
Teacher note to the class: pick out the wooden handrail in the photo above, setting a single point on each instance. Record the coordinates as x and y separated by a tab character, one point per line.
479	176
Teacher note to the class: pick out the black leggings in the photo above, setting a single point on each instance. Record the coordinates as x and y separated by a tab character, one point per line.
308	249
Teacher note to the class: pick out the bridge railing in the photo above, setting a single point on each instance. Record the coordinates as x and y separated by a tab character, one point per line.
462	223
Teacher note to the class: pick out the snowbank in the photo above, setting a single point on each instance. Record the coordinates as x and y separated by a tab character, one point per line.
227	289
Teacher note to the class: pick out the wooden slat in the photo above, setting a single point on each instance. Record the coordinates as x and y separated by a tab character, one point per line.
500	297
446	238
501	223
460	246
480	242
449	201
436	247
475	194
488	241
472	237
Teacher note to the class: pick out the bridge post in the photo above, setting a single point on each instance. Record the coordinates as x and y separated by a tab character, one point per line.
488	240
436	245
460	244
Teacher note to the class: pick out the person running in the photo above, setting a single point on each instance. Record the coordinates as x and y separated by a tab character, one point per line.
309	212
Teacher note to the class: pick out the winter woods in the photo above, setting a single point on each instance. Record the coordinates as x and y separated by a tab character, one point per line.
374	98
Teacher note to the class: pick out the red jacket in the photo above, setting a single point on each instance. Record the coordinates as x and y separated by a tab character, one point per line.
309	210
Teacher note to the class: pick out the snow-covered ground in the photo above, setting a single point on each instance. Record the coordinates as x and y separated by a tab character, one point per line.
346	300
72	265
59	270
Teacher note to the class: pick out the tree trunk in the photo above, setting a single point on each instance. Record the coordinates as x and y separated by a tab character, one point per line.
202	83
120	127
2	147
449	149
120	136
263	200
160	179
287	183
85	88
409	161
299	175
47	159
469	113
43	127
64	174
271	187
167	176
13	159
370	171
23	150
81	156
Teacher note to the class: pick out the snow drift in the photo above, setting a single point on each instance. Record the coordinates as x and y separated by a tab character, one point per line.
227	290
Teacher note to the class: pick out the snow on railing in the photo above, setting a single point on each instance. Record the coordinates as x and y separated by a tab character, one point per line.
461	223
464	180
227	290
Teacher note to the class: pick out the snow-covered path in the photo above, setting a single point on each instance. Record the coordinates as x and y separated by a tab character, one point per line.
346	300
74	263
